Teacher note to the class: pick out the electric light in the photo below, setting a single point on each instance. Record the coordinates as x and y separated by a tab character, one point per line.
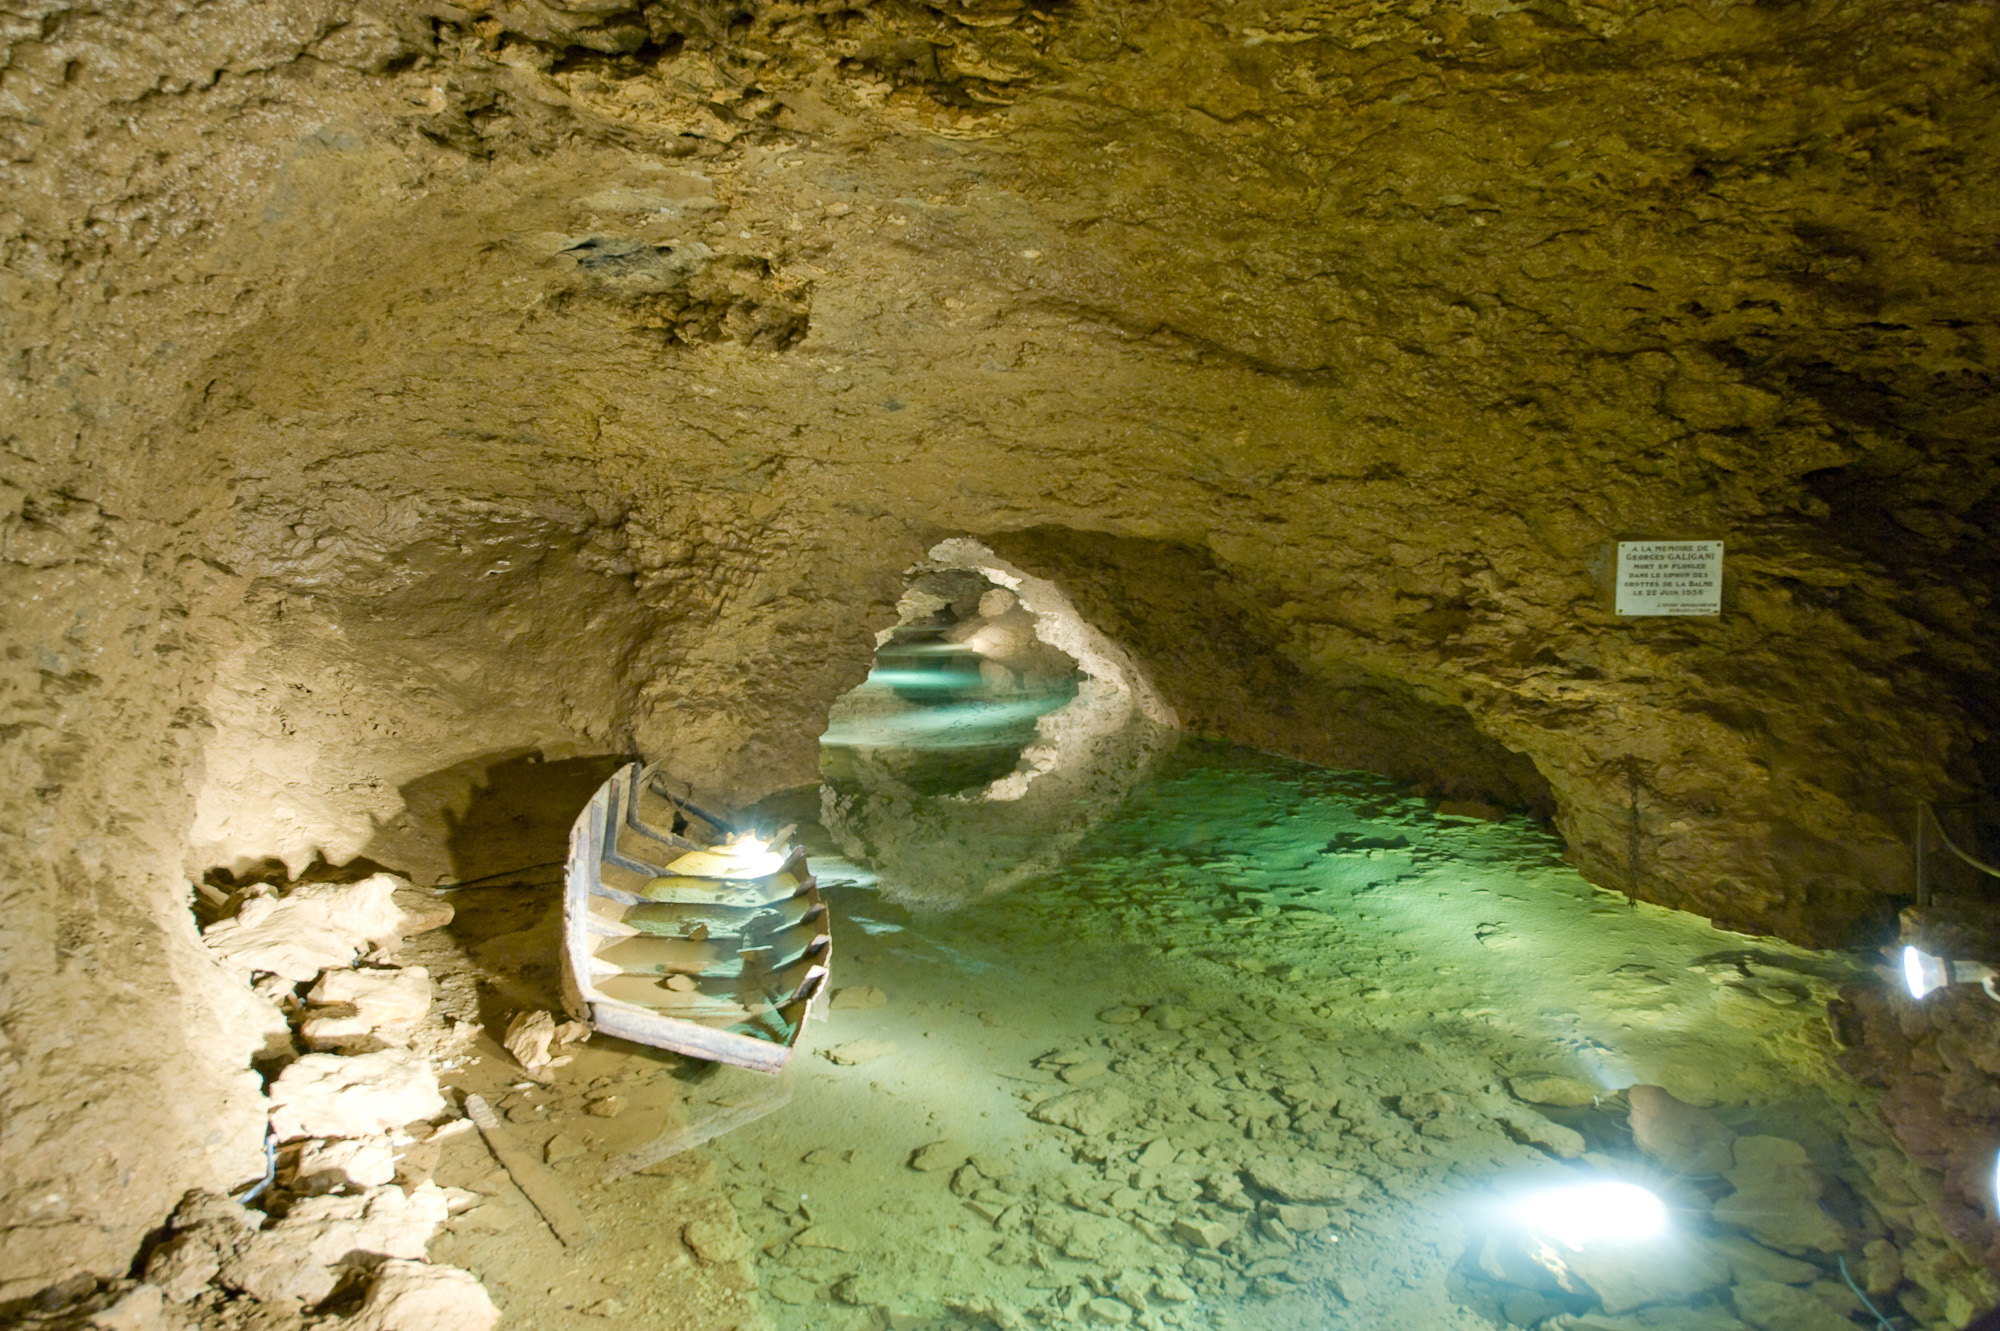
751	856
1924	973
1608	1210
742	856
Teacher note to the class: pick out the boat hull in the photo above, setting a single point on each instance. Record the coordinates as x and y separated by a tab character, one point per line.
727	969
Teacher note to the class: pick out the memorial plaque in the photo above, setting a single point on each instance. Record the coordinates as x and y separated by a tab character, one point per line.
1670	577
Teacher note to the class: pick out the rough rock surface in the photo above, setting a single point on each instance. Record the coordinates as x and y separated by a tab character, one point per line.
327	1095
322	926
395	393
1776	1197
359	1011
360	1162
387	1221
411	1296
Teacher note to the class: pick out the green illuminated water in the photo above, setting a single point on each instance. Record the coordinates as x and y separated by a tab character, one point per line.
1257	976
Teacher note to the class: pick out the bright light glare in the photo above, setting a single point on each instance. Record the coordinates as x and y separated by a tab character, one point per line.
742	856
1614	1211
751	855
1923	972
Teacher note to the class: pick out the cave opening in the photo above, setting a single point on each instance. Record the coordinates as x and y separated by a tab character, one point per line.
956	690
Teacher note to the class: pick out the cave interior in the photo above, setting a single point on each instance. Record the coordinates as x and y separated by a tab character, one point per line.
1071	461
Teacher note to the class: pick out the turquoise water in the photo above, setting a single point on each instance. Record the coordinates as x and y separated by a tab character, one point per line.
1253	1056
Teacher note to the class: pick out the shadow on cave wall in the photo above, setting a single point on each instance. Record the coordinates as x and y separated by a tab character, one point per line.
501	814
1215	660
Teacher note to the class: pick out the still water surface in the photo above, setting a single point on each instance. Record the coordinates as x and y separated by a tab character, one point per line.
1253	1057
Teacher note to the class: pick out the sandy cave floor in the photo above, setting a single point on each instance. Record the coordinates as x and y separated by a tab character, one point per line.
1253	962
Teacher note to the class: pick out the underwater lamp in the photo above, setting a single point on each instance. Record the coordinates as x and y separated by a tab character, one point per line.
1924	972
1608	1209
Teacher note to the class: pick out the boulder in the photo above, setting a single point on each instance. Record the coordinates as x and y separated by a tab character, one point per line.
413	1296
357	1011
327	1095
321	926
386	1222
1685	1139
275	1267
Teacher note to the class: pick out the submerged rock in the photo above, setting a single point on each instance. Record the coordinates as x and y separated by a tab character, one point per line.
1750	1260
1685	1139
1092	1112
938	1155
1547	1088
856	1052
1626	1276
1776	1200
716	1239
1305	1181
1770	1306
1533	1130
1198	1233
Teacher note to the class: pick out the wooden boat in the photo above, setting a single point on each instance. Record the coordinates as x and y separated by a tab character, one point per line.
681	933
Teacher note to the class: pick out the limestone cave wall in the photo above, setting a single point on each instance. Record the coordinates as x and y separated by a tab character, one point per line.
394	388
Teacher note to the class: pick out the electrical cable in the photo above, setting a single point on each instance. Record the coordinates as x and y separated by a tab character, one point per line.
504	873
1881	1322
270	1171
